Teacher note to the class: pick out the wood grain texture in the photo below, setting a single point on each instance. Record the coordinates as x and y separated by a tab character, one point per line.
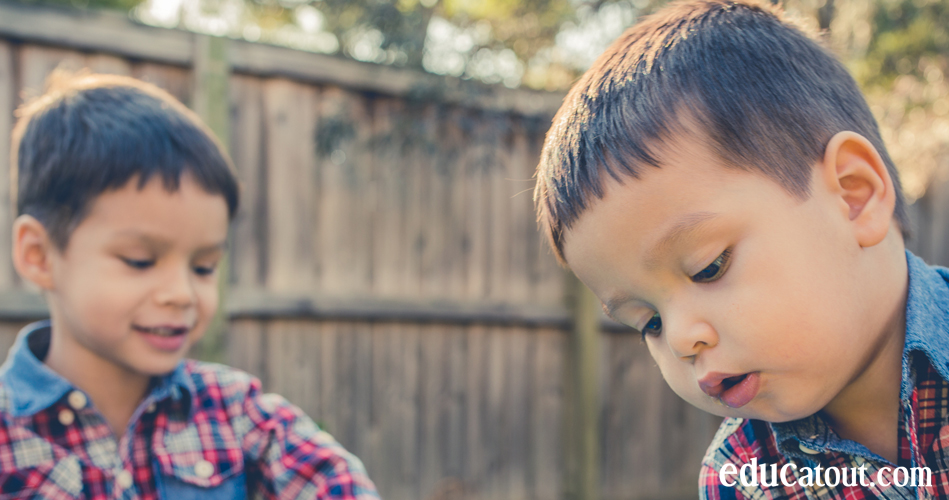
8	91
395	288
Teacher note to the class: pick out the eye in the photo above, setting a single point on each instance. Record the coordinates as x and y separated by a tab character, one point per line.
653	327
138	263
715	270
205	270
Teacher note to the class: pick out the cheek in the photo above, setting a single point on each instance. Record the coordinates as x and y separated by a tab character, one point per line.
676	373
208	297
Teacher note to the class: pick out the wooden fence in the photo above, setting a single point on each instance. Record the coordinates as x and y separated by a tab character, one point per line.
386	273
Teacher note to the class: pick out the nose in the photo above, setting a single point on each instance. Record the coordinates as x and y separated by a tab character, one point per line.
177	288
687	338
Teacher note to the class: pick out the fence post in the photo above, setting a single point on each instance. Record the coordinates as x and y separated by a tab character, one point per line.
211	72
582	446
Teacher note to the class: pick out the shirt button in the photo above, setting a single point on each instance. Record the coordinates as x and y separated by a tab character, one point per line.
150	408
124	479
809	451
203	469
66	416
77	400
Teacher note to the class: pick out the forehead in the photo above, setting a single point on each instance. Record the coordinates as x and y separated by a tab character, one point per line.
187	214
638	221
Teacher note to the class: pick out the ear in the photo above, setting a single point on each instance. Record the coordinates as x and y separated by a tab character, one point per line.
855	174
32	250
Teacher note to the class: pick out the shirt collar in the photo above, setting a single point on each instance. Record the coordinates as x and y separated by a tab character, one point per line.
927	332
32	386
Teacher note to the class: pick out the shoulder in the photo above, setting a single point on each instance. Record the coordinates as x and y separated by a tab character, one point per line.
736	443
213	381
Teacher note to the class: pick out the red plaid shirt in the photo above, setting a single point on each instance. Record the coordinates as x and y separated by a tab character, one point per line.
923	424
203	431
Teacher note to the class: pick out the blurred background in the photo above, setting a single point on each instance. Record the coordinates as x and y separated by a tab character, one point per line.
385	272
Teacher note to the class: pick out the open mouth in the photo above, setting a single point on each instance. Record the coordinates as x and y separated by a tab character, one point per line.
162	331
730	382
733	391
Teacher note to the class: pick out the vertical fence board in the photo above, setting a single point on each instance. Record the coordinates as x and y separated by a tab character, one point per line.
547	408
288	110
248	256
177	81
8	331
36	63
7	100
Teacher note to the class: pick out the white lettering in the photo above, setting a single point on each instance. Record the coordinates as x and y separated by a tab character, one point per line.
722	475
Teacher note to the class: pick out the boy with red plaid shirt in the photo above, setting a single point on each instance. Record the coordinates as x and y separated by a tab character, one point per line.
718	181
124	200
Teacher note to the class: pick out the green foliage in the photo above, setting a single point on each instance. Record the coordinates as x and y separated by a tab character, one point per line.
120	5
908	35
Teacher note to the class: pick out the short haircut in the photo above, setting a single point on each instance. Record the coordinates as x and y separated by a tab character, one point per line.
91	133
766	96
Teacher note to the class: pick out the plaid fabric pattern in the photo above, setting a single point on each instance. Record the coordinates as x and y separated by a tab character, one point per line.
923	430
923	442
204	429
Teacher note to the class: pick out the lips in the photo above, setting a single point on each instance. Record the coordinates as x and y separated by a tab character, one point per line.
163	330
168	338
733	390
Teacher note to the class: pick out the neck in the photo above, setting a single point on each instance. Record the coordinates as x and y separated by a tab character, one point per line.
867	410
114	390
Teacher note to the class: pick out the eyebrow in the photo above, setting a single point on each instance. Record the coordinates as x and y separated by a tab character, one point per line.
161	244
684	226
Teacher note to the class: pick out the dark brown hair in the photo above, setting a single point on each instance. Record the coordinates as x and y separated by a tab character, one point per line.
765	95
90	133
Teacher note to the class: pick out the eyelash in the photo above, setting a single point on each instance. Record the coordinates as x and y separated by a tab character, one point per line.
712	272
138	264
145	264
715	270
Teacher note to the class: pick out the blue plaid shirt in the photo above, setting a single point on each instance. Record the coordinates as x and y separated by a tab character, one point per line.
203	431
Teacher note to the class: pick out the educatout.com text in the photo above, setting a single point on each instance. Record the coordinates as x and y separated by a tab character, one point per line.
755	475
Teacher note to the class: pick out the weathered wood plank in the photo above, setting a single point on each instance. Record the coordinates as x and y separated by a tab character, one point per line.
94	30
246	348
432	379
389	182
344	210
291	348
248	255
288	108
8	91
393	458
516	413
477	449
521	228
176	80
110	64
8	331
546	424
36	63
476	178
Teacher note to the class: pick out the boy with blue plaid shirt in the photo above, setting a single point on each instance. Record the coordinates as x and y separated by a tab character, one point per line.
124	200
718	181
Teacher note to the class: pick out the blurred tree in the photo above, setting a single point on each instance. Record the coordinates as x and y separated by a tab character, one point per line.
898	50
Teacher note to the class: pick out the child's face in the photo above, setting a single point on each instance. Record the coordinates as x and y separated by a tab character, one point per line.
136	285
757	292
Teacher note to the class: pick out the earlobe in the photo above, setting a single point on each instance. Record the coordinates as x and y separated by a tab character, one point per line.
855	173
31	251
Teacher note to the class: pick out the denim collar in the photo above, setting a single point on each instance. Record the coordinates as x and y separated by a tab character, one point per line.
927	333
32	386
